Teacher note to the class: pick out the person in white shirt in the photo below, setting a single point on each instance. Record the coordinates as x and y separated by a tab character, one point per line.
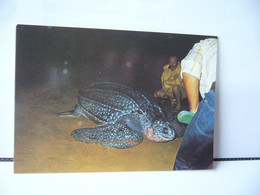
199	76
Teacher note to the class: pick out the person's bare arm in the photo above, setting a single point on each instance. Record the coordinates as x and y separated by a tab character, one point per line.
191	84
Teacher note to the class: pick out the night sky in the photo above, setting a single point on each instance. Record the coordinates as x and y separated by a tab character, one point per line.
60	57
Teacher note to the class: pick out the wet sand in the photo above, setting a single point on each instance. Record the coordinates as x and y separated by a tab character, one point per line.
43	143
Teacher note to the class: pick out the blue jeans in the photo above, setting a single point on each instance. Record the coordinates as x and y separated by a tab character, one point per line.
196	151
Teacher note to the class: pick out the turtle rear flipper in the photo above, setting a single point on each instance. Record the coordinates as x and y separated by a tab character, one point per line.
70	113
113	135
76	112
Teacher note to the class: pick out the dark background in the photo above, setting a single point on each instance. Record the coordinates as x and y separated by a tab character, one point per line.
64	57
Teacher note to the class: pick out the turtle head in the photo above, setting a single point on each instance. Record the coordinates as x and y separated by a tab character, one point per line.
160	131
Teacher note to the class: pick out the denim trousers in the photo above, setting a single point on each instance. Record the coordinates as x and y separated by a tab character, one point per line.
196	150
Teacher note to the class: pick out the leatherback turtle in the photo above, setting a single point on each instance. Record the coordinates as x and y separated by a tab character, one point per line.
124	116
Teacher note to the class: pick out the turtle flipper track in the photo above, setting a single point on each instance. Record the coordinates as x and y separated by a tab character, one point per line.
112	135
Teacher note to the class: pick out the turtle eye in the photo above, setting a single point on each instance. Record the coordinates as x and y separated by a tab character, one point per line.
165	130
139	111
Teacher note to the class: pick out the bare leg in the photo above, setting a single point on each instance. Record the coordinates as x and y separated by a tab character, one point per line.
177	93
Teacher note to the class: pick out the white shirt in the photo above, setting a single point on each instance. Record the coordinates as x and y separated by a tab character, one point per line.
201	62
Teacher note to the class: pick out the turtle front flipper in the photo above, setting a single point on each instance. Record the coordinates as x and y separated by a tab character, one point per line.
113	135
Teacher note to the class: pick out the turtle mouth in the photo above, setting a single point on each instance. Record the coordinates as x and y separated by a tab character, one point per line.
149	134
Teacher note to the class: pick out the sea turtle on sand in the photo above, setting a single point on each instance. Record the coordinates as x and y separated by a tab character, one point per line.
124	116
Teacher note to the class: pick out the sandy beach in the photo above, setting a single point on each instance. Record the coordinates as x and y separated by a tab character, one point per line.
43	143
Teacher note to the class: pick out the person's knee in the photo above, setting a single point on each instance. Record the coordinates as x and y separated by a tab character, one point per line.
157	93
160	93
